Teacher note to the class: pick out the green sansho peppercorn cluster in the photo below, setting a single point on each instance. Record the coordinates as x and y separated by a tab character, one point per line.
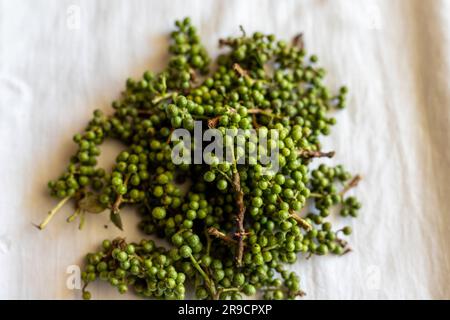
233	230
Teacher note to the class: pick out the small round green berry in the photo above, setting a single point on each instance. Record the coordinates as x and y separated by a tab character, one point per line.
347	230
159	213
185	251
222	184
87	295
122	256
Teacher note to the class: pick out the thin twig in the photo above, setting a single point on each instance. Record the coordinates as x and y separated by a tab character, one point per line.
223	290
162	97
244	34
299	293
270	247
353	183
257	110
208	242
206	278
240	234
298	41
301	222
212	123
226	42
169	137
341	242
146	112
82	220
255	122
344	245
219	234
225	176
73	216
116	206
315	154
315	195
194	77
268	113
347	250
52	212
239	70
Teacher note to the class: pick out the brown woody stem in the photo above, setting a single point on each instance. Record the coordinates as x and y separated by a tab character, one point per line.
315	154
220	235
212	123
240	234
301	222
298	41
261	111
241	71
353	183
226	42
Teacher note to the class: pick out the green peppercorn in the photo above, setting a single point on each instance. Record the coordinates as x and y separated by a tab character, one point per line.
234	225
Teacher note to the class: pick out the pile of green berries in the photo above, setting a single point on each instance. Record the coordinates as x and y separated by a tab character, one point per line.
231	226
144	266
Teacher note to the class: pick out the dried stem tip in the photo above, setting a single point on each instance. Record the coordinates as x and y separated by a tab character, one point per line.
240	234
219	234
353	183
301	222
315	154
239	70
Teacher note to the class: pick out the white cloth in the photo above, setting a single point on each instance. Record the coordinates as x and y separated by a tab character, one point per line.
59	60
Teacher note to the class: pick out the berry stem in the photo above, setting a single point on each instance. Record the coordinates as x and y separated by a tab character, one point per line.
82	220
353	183
343	244
116	206
264	112
271	247
226	42
208	242
208	282
225	176
239	70
52	212
315	154
240	234
219	234
160	98
298	41
212	123
255	122
74	215
315	195
301	222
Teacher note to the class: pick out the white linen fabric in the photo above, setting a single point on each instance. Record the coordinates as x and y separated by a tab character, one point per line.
59	60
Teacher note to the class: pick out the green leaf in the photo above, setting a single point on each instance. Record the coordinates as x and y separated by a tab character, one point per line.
115	218
90	203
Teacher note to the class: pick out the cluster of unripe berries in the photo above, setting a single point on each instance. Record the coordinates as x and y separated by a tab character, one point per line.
231	227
